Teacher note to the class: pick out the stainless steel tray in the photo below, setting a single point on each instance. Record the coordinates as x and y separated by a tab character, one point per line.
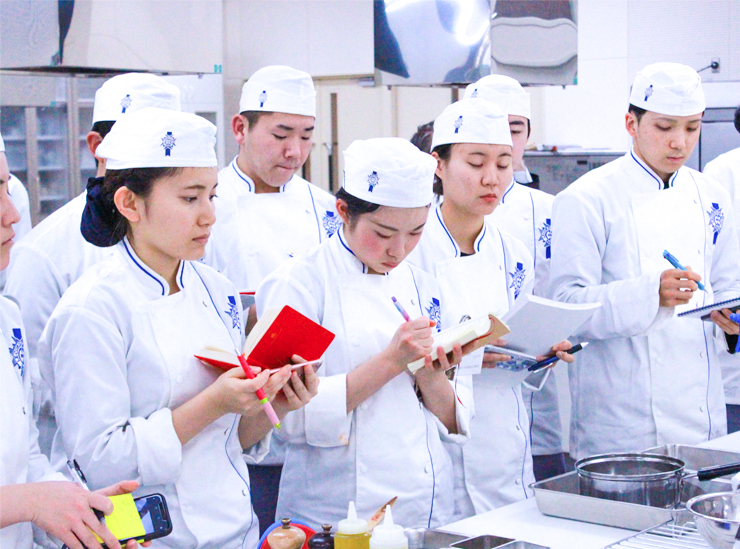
489	542
429	538
560	497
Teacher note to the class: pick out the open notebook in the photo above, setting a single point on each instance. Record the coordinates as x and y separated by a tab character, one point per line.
482	330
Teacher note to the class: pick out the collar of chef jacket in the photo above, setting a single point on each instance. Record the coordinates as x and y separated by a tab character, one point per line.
436	223
154	285
651	173
248	180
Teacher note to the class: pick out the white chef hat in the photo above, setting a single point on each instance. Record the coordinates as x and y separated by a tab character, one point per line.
126	93
668	88
279	89
159	138
389	171
472	121
504	91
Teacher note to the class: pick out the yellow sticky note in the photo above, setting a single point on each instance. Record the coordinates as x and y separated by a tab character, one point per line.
124	522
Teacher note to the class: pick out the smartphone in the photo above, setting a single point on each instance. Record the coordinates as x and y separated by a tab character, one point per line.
154	516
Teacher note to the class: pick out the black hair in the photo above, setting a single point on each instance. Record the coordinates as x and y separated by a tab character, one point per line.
737	119
423	137
637	111
444	152
103	127
355	206
253	117
102	223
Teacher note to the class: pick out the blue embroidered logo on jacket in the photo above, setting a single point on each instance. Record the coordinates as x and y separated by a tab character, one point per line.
372	180
168	142
517	279
458	123
17	353
263	98
648	91
474	94
716	220
331	222
234	313
125	103
546	236
434	312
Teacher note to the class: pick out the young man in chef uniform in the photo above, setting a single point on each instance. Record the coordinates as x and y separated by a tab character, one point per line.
266	212
725	169
54	254
648	378
525	213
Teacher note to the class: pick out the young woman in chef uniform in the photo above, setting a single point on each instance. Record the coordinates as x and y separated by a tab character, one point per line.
480	270
130	398
30	490
374	431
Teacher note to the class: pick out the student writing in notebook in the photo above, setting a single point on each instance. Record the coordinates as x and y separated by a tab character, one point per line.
122	341
648	377
480	270
373	431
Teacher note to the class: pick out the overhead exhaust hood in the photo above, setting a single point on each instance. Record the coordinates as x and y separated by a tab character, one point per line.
102	37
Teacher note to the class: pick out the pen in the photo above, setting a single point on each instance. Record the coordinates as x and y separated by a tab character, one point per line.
673	261
77	475
553	359
269	410
401	309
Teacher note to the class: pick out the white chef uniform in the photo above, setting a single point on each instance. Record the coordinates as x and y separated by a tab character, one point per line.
725	169
54	254
390	445
121	348
525	213
20	458
255	233
494	467
647	378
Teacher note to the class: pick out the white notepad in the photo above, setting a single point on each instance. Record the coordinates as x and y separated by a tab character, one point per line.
704	312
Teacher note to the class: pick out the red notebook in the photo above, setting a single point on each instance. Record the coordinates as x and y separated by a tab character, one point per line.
278	335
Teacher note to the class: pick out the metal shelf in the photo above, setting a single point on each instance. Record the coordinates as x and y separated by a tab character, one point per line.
669	535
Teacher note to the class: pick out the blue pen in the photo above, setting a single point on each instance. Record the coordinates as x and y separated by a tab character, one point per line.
544	363
673	261
401	310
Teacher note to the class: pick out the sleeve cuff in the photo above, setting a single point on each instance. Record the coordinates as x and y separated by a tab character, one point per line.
326	419
159	452
463	415
257	453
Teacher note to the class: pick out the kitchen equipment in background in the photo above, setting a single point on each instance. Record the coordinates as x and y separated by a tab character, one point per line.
718	135
559	169
429	538
679	532
717	518
560	496
489	542
645	479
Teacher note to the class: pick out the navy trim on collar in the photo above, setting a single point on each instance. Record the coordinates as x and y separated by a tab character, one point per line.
652	174
442	223
238	172
508	190
341	240
142	268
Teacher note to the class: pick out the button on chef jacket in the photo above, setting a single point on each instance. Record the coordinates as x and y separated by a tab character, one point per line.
20	458
526	214
118	355
390	445
44	264
648	378
494	467
725	169
255	233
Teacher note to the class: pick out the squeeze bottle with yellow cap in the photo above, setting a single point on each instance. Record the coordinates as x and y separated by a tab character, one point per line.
388	535
352	532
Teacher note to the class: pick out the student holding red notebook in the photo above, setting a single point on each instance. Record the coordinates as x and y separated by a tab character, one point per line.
373	431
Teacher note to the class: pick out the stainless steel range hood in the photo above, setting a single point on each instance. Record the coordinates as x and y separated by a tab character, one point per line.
100	37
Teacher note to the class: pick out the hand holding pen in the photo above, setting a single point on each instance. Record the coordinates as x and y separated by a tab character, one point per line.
677	286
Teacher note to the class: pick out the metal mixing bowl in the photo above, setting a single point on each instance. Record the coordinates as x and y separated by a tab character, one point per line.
717	518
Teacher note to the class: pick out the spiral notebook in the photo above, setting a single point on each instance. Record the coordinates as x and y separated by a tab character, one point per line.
704	312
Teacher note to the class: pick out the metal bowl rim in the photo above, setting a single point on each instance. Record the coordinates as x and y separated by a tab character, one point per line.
644	477
697	499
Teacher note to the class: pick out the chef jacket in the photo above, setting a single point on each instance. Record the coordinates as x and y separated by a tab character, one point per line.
20	458
390	445
648	378
494	467
725	169
525	213
118	355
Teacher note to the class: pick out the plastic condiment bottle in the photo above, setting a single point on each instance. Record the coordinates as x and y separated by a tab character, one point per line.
352	532
388	535
322	540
